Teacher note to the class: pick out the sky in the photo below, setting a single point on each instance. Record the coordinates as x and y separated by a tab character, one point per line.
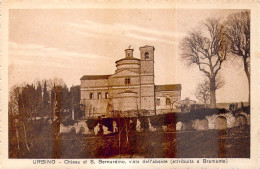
66	43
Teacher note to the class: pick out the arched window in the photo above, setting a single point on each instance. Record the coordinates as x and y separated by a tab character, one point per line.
99	96
91	96
168	101
157	102
146	56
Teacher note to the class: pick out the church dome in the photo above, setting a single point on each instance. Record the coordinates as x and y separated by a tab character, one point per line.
129	62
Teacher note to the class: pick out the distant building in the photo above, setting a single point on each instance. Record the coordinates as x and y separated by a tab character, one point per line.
130	91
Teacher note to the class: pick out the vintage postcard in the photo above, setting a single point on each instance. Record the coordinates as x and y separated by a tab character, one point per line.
129	84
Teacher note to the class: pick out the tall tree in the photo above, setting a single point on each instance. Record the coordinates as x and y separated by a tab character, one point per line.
14	96
38	98
45	94
75	101
46	100
75	94
207	48
24	110
65	98
13	111
238	29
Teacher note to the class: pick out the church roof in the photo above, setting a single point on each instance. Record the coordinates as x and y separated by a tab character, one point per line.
127	91
132	58
94	77
171	87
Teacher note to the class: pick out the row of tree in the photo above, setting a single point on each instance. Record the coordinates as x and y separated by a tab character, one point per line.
35	108
213	43
38	99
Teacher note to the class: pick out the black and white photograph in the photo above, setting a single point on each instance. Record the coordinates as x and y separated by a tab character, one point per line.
120	83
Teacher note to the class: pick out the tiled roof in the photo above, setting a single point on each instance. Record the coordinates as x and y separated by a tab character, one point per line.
168	87
94	77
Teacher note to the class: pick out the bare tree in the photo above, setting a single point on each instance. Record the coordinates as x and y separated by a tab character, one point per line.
55	82
238	29
202	92
172	98
207	48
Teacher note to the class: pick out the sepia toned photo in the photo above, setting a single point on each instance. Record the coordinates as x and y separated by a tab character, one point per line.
130	83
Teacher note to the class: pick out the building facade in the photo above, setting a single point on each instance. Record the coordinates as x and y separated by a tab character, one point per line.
130	91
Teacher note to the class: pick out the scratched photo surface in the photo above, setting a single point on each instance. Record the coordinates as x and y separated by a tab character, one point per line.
129	83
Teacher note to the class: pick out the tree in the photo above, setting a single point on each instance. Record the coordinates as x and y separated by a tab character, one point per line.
65	98
51	83
75	94
202	92
25	109
38	99
30	100
172	97
14	95
46	100
238	28
207	48
13	112
75	101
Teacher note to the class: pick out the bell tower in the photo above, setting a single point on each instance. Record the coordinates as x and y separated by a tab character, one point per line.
147	92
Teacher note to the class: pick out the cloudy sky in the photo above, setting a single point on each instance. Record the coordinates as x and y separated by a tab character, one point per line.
68	44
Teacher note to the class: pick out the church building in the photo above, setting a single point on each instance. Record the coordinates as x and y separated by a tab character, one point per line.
130	91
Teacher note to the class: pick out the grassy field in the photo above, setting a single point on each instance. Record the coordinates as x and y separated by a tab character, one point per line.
233	143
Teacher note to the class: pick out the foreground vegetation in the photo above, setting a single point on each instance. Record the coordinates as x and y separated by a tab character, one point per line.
232	143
